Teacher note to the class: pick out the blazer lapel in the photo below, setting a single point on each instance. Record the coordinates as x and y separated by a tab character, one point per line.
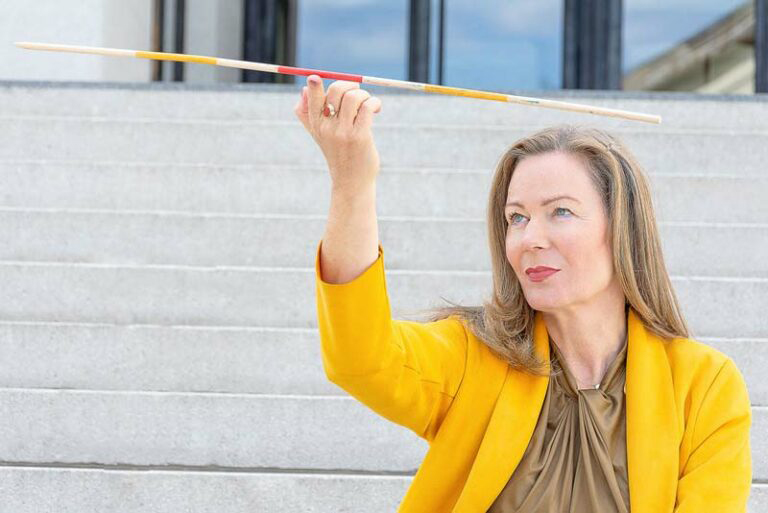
652	431
509	431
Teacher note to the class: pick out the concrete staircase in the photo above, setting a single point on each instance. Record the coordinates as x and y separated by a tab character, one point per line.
158	342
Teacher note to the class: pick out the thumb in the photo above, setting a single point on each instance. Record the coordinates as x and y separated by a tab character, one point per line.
302	109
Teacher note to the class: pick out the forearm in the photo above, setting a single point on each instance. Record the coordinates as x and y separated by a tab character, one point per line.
351	239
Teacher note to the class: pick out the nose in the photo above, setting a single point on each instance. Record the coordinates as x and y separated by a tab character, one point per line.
534	235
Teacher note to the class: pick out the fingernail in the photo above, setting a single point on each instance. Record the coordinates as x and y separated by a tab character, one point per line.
314	80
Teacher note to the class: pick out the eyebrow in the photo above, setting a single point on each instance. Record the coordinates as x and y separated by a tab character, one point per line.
546	201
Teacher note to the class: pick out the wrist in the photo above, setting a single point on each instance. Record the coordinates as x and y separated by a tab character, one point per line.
362	193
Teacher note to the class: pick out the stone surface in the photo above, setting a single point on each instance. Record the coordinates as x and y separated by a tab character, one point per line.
158	339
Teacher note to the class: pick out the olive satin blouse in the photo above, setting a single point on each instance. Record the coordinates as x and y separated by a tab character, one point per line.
576	460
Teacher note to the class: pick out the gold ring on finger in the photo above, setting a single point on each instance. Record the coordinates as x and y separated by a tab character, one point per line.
329	110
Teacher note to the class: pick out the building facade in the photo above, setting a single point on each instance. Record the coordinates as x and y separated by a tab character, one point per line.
705	46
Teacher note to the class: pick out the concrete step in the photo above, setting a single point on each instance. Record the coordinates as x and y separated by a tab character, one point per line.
153	365
241	360
223	430
73	490
276	101
207	490
285	141
284	297
203	429
422	192
231	240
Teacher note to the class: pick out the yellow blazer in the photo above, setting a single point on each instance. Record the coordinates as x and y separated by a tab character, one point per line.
688	411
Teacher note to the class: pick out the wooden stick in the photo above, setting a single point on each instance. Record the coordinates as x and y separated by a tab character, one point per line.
387	82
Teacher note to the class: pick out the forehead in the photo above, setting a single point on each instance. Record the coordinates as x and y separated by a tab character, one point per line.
549	174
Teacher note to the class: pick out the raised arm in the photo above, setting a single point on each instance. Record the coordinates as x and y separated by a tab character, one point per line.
408	372
351	236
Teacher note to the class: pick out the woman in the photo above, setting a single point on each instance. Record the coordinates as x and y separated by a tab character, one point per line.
634	416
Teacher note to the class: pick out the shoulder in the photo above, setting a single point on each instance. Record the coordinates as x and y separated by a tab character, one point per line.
713	401
690	356
702	374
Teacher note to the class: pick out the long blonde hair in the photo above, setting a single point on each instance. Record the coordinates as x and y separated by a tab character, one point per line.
505	323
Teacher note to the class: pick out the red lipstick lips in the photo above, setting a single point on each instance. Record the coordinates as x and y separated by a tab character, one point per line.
540	273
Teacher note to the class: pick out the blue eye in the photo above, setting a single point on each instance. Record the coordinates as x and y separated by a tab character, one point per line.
511	217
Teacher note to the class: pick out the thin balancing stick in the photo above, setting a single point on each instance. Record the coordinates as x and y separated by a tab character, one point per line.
387	82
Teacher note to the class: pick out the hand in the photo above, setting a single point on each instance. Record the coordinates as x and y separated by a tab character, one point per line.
345	139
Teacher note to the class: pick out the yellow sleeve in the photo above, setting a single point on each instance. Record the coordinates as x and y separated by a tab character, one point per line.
717	475
406	371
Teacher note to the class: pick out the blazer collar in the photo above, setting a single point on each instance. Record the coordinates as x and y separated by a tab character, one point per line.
651	424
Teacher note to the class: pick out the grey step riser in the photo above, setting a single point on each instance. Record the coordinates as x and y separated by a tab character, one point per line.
255	361
153	239
306	190
200	430
715	307
397	107
286	142
65	490
110	428
121	184
49	490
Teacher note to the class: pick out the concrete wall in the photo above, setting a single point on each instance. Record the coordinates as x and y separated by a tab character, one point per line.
214	28
110	23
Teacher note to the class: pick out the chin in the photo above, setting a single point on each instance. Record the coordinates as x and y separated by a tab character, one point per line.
544	304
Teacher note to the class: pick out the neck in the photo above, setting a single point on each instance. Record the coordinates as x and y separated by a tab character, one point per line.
588	338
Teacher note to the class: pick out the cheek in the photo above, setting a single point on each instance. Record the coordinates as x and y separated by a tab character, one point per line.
514	252
511	249
590	262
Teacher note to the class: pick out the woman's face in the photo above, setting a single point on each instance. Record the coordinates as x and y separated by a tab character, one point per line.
567	234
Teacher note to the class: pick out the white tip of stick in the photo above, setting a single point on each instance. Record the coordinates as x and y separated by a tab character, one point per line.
29	46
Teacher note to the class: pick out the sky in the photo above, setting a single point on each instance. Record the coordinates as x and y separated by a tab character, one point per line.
494	45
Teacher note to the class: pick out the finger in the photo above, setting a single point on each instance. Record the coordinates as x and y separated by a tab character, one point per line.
315	99
352	101
365	114
336	92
